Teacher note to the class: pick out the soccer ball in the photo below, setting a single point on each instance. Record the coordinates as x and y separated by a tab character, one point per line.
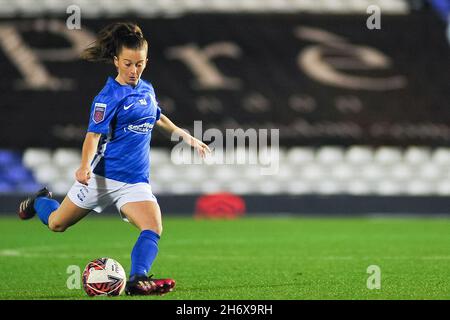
104	277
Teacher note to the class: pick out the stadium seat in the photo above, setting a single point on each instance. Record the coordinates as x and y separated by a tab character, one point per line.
299	187
35	157
357	155
416	155
60	186
28	7
329	187
312	172
211	186
401	172
66	157
443	188
419	187
46	173
183	187
252	173
441	156
225	173
329	155
8	157
285	173
194	173
358	187
373	172
300	155
68	172
430	171
6	187
388	188
342	172
159	156
387	155
269	187
163	173
239	187
244	156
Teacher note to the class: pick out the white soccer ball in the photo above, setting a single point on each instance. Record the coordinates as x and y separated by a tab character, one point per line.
104	277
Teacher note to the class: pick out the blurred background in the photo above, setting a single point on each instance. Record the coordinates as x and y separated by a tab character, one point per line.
359	90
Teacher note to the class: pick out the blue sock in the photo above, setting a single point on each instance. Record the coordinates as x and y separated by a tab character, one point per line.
44	207
144	253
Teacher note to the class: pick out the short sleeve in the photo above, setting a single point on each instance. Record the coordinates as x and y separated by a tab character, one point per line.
158	113
102	112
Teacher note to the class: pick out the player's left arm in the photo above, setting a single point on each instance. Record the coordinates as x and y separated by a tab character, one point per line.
172	130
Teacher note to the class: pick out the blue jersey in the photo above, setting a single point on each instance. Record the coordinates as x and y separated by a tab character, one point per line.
125	116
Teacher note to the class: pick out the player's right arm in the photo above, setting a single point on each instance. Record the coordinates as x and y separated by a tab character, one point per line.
90	144
102	112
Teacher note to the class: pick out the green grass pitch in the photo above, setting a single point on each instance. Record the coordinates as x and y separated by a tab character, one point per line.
250	258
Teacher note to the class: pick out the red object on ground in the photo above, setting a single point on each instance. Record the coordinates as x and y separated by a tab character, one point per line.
220	205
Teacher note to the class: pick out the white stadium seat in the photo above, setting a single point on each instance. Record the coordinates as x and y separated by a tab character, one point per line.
159	156
66	157
163	173
329	155
269	187
225	173
194	173
358	187
299	187
183	187
388	188
430	171
358	155
443	188
34	157
239	187
60	187
46	173
300	155
401	172
441	156
373	172
329	187
312	172
419	187
211	186
416	155
343	172
388	155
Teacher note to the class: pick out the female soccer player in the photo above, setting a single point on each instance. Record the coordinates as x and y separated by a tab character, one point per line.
115	160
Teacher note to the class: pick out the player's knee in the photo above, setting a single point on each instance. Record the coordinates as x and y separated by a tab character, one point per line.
56	227
158	229
155	228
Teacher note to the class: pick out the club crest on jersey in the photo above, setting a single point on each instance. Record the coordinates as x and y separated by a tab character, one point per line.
99	112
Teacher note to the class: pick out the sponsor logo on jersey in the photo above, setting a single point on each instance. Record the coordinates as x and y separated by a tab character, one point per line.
140	128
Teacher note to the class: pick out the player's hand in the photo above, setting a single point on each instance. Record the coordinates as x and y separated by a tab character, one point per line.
83	174
201	147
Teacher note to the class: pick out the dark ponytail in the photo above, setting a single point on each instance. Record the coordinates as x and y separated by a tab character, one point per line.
111	40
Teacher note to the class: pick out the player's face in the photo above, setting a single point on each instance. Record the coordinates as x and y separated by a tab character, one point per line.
130	64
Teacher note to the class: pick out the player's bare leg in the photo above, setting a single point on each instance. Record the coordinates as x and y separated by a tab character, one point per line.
66	215
57	217
146	216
